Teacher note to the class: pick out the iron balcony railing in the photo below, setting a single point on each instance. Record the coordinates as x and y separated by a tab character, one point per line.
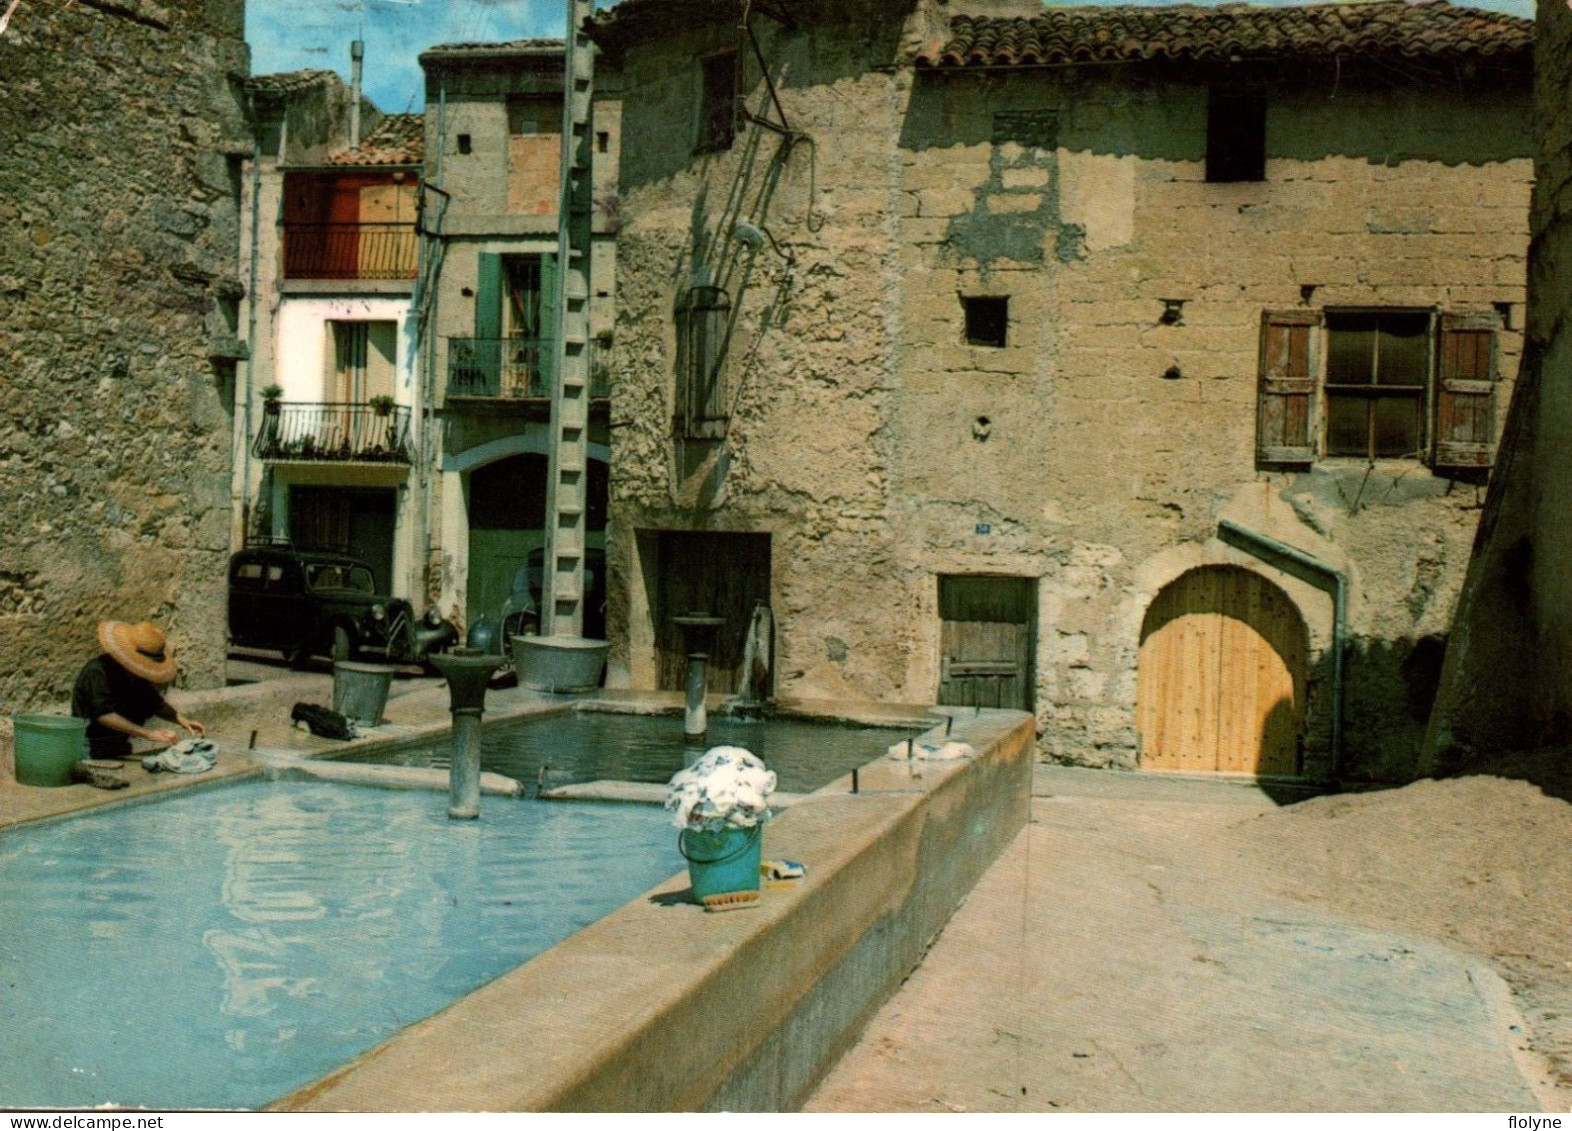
350	251
515	368
333	433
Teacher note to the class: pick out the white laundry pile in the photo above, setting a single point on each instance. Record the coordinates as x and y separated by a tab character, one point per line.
931	750
193	756
728	787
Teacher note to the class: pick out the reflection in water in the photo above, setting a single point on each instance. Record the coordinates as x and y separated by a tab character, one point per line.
221	948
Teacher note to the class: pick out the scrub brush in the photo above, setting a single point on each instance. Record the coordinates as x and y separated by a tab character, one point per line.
730	900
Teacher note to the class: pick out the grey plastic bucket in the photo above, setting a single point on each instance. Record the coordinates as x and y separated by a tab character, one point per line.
46	747
360	691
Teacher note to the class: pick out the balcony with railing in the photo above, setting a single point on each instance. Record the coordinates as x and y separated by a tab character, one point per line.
350	251
516	368
302	432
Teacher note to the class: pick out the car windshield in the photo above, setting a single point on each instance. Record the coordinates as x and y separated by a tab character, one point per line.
332	575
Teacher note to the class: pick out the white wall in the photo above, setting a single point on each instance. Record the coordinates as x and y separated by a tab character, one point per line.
301	338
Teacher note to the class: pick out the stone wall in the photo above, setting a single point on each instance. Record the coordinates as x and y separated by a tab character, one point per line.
1096	451
1508	677
121	128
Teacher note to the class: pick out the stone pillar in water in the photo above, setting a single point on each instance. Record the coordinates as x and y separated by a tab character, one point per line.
467	671
697	630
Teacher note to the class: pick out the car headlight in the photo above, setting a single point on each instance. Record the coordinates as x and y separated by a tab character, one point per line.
378	613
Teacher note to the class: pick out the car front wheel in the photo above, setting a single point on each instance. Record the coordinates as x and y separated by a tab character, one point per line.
341	644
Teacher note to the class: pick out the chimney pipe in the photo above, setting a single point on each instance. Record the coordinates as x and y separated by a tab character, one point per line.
357	52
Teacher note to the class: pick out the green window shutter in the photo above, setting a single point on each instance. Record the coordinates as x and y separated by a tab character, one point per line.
1465	422
1285	407
488	324
550	310
488	296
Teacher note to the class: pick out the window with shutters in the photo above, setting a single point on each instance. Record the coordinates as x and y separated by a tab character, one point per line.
703	321
1377	384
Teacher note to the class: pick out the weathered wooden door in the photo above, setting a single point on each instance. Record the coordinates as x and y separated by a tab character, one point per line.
723	575
1221	678
985	641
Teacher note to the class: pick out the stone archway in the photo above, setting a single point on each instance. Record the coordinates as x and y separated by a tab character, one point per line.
1220	681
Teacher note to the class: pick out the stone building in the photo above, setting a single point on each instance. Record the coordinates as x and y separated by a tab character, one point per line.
122	132
493	144
1140	367
329	419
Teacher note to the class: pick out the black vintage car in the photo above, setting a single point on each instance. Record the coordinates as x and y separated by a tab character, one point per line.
305	603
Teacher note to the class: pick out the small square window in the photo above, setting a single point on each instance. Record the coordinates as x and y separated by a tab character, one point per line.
464	143
1235	136
987	320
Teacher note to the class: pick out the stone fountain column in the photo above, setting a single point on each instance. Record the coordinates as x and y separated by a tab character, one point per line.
467	671
698	634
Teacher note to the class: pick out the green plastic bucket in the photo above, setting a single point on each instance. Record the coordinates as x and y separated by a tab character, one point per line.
722	862
47	746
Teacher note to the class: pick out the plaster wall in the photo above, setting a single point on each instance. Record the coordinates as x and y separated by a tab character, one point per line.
122	129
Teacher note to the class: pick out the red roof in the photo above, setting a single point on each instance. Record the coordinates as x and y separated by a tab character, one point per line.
398	139
1059	36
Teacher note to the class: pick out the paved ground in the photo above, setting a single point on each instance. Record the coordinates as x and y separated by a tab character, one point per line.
1113	961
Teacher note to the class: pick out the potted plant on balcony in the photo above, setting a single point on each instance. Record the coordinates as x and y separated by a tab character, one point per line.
271	395
721	803
382	404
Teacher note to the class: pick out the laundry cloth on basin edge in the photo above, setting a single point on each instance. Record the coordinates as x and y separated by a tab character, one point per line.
193	756
782	870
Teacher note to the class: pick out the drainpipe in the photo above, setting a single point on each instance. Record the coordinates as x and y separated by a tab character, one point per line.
251	326
1254	544
357	53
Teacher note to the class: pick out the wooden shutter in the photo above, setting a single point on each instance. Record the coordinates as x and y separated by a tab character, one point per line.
488	325
1285	412
1465	421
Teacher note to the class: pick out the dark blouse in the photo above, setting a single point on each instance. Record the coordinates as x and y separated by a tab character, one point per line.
104	688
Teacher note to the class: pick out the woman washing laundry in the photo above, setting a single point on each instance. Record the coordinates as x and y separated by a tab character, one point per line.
119	691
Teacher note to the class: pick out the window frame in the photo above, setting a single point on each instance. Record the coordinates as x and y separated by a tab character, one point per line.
1374	390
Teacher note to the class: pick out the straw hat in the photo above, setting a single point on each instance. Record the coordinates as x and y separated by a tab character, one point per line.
139	648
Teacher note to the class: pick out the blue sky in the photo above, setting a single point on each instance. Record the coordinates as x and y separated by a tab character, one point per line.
289	35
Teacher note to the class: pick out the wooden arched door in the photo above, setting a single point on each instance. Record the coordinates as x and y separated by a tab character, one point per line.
1221	675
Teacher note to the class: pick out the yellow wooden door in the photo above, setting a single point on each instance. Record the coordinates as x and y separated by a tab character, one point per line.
1221	677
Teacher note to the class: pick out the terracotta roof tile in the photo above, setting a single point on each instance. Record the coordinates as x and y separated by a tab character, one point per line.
398	139
1060	36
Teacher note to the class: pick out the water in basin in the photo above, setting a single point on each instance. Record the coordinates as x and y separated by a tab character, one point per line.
589	746
221	948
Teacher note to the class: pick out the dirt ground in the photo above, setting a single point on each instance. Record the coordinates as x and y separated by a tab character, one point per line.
1482	862
1162	943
